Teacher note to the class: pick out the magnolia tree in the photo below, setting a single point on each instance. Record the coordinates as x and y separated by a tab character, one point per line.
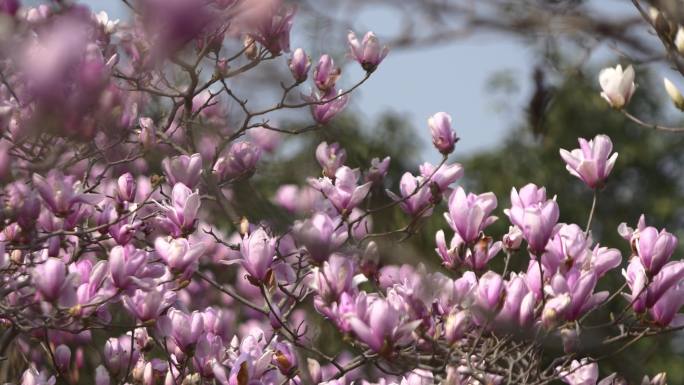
126	258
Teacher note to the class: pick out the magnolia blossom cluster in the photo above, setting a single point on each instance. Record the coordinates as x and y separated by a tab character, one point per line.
128	255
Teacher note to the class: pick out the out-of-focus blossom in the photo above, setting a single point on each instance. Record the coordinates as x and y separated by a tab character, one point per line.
321	236
617	85
240	161
62	358
62	192
273	32
266	139
32	376
378	169
9	7
581	373
148	132
284	358
330	157
297	199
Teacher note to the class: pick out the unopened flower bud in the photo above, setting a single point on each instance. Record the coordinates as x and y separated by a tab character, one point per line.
222	67
148	132
570	339
513	239
326	74
679	40
251	49
443	136
299	65
101	376
658	379
554	309
126	187
456	325
674	94
62	358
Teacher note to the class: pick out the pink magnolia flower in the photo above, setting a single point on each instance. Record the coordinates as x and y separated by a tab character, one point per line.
324	107
581	373
126	188
592	162
654	248
183	169
184	328
443	136
266	139
415	195
148	305
240	161
180	216
490	289
273	32
443	176
383	325
299	65
180	256
469	214
378	169
258	250
345	194
62	193
367	52
330	157
321	235
50	278
335	277
326	74
125	263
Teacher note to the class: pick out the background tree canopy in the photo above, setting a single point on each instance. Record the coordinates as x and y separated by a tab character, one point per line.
647	179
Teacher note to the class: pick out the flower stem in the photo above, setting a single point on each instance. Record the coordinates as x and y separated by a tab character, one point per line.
591	213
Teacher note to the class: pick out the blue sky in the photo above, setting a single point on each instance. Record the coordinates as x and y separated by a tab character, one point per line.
449	77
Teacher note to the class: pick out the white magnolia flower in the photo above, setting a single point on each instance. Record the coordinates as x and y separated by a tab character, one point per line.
674	93
617	85
103	20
